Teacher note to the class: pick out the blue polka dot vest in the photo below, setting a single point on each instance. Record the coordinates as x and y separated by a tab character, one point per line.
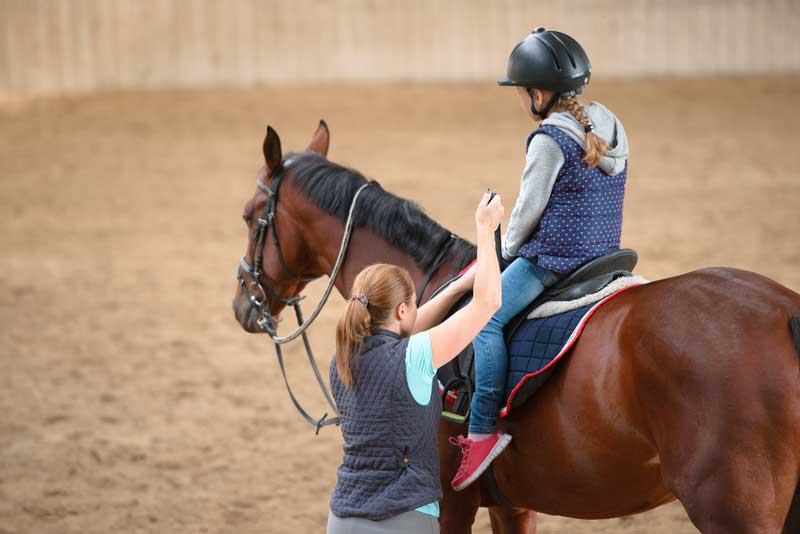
583	218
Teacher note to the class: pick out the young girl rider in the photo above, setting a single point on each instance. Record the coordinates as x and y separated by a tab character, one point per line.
568	212
382	378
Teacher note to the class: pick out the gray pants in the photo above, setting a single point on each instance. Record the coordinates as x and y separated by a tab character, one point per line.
411	521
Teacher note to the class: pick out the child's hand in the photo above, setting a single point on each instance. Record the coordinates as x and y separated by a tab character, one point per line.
489	213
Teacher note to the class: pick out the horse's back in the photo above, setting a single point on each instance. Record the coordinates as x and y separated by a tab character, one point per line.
715	337
659	371
706	292
708	327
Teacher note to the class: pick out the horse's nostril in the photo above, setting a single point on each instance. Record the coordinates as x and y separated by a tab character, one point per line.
241	311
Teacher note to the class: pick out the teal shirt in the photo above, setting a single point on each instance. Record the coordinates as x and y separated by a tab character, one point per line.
420	373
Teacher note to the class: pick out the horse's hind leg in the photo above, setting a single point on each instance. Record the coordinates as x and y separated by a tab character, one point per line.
512	520
735	473
720	504
722	395
735	470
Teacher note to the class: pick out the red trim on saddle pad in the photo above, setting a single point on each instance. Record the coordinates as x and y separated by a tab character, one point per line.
564	350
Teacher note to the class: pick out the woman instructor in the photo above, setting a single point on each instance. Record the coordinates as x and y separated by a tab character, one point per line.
387	353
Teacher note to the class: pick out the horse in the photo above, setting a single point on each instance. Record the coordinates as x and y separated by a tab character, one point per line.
684	388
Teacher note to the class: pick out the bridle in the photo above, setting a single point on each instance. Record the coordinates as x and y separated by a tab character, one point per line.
260	294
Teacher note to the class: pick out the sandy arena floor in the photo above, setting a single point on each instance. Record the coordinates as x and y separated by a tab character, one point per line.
132	401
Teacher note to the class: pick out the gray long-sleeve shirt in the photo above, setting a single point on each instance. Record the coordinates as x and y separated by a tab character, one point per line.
543	162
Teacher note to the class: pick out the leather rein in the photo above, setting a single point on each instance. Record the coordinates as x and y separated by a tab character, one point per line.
260	294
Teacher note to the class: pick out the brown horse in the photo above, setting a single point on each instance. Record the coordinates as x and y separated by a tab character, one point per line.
685	388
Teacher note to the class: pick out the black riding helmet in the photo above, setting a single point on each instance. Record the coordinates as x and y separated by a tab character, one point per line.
548	60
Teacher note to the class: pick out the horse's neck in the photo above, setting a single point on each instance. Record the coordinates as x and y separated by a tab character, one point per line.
365	248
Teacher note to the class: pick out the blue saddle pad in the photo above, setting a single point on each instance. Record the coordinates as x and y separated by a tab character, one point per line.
534	350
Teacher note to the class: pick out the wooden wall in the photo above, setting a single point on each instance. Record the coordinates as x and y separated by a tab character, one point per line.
52	46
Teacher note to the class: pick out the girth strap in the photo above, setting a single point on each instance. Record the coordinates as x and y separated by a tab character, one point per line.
490	483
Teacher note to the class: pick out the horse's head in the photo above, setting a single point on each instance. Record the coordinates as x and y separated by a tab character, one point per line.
277	264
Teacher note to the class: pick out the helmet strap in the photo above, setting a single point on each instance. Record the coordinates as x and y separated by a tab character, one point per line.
543	113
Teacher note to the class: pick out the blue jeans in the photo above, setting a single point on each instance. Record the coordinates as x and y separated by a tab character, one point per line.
523	281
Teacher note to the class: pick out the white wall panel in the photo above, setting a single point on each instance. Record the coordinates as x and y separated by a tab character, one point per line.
51	46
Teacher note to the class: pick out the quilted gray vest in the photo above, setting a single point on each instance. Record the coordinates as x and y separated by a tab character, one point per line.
390	463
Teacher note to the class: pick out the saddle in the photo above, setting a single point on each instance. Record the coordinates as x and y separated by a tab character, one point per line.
458	376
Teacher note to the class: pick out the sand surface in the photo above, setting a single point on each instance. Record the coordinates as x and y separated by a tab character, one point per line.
131	400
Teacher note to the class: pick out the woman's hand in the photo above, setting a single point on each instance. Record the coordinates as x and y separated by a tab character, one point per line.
432	312
466	280
489	212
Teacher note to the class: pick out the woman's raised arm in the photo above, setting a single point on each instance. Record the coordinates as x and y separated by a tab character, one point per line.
449	338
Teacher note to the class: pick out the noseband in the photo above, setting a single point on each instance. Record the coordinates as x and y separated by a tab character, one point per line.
259	293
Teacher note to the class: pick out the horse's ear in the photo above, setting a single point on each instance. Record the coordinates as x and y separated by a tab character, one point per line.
321	139
272	150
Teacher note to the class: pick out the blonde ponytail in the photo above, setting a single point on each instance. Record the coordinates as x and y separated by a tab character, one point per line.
377	291
353	327
596	147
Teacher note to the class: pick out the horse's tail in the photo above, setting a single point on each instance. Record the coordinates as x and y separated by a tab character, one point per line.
792	523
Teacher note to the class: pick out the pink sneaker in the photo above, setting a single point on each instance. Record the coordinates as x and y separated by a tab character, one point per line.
476	457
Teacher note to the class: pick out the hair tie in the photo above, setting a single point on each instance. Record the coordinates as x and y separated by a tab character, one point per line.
362	298
589	127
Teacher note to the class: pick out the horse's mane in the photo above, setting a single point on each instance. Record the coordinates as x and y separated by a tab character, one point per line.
398	221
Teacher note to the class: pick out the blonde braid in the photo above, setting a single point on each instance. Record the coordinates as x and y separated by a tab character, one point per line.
596	147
